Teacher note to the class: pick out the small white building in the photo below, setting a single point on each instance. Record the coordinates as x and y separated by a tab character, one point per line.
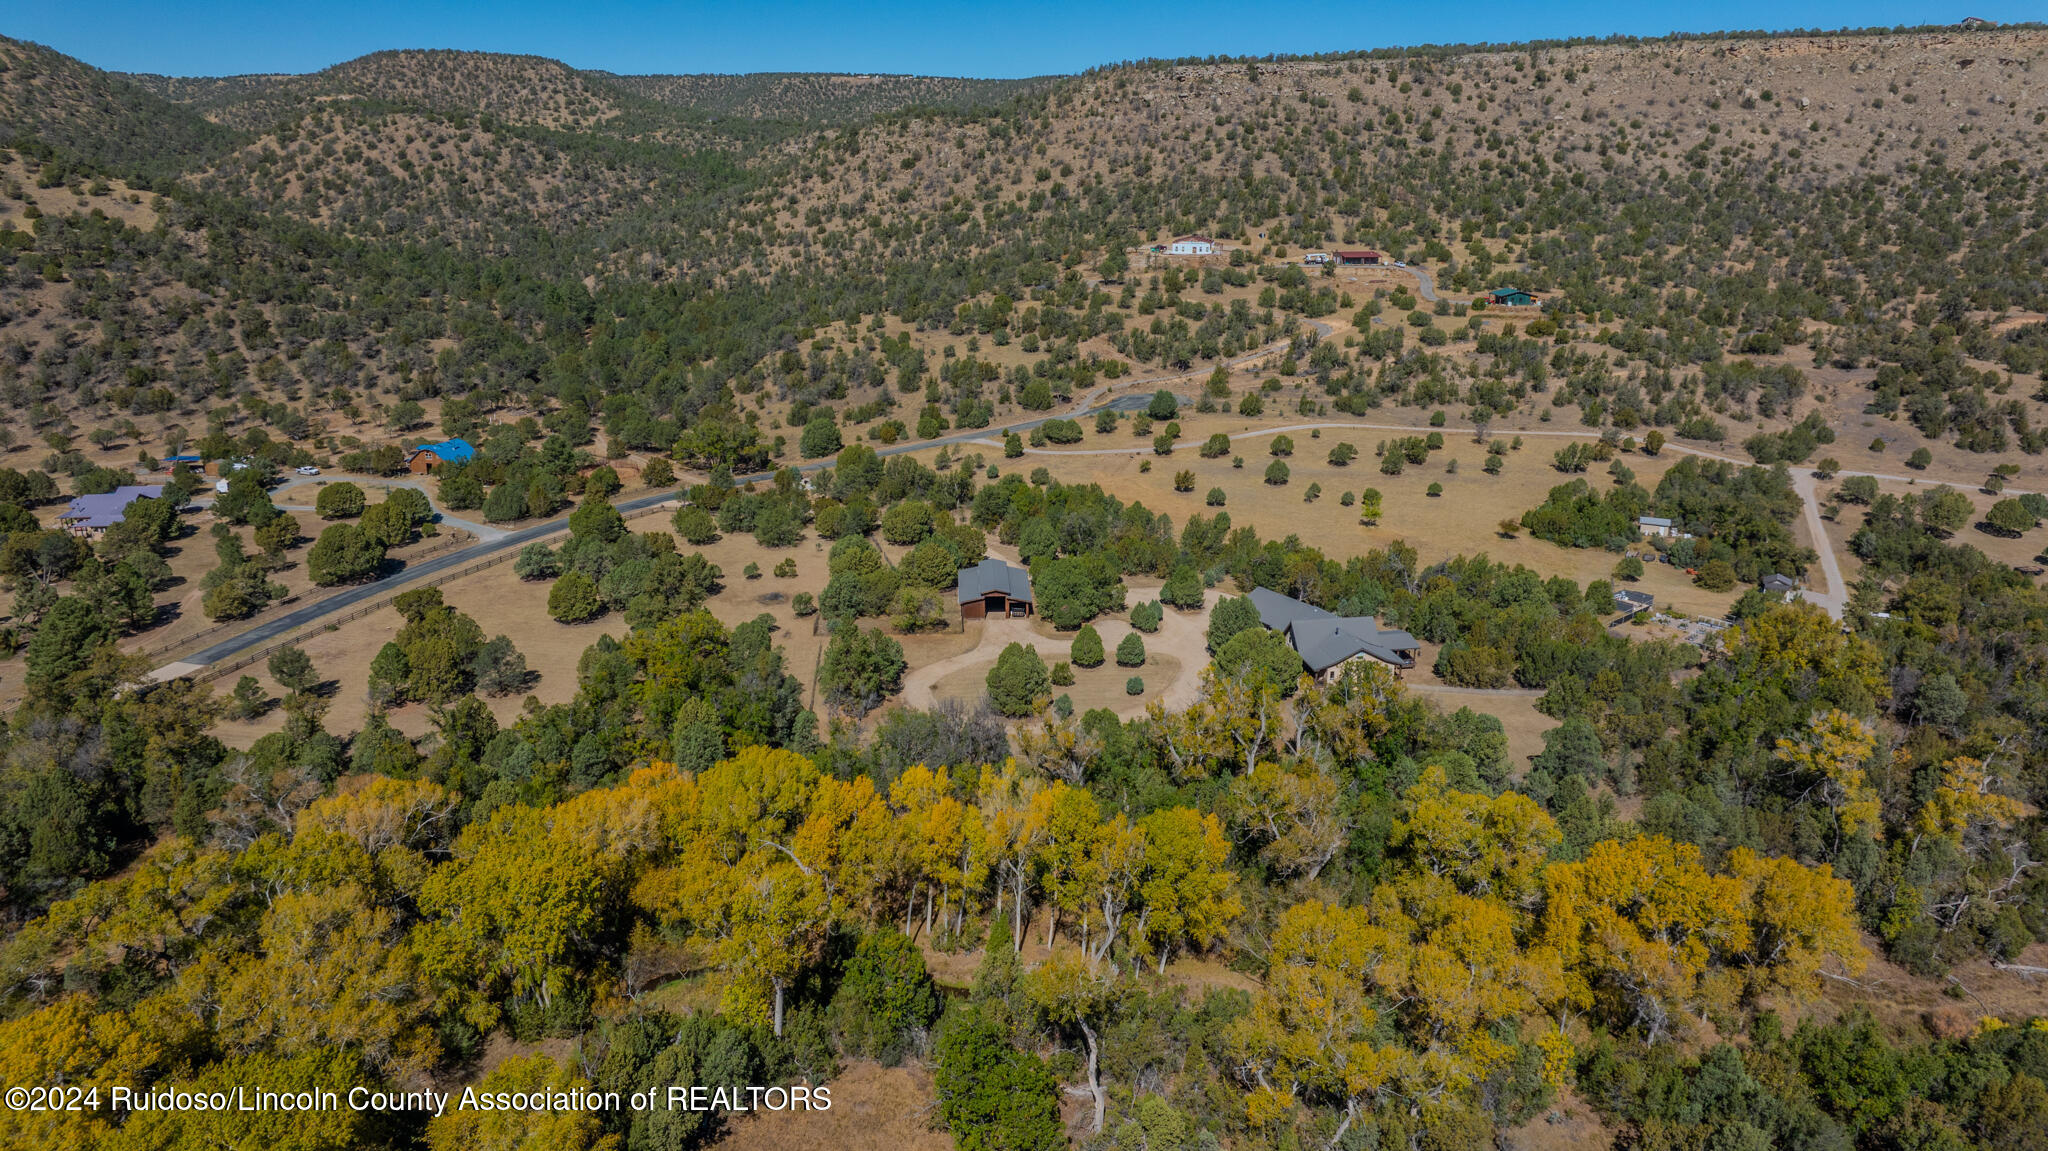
1192	246
1660	527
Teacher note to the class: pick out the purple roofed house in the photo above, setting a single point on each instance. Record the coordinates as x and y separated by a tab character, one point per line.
91	516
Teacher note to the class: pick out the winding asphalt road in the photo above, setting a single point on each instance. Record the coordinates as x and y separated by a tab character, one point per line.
1427	285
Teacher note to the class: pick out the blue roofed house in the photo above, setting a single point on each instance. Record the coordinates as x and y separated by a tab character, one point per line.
1326	641
91	516
427	457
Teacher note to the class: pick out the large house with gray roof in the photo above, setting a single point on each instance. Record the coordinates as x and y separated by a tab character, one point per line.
91	516
1326	641
995	588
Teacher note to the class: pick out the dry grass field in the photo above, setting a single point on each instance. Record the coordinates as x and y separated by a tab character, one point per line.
1462	521
183	626
2020	551
502	603
1093	687
874	1108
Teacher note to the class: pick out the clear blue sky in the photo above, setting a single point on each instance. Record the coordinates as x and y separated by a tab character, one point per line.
1023	38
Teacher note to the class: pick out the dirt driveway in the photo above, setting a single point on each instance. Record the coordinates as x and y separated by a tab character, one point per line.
1182	635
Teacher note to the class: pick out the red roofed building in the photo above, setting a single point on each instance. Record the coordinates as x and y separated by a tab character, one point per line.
1358	257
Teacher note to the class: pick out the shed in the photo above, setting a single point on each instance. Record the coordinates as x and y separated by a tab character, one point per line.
995	588
1510	298
1777	582
1358	257
93	515
427	457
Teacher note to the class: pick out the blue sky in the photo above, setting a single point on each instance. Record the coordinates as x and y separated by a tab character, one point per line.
1024	38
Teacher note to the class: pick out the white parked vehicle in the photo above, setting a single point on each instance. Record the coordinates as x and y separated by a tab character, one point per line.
1400	263
309	471
220	486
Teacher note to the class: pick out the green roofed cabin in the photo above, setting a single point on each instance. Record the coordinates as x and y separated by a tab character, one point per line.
1510	298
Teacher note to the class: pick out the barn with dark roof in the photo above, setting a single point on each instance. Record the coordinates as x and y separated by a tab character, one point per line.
995	588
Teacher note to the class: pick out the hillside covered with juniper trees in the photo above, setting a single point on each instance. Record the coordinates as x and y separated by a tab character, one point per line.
1776	884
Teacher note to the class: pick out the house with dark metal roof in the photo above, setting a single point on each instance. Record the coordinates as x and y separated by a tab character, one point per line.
427	457
92	515
1630	602
1326	641
995	588
1778	582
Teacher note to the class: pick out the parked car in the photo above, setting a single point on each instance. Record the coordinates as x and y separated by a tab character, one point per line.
220	486
1400	263
309	470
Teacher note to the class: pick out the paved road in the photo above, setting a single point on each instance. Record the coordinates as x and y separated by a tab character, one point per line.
290	621
1836	598
477	528
1804	482
492	540
1427	285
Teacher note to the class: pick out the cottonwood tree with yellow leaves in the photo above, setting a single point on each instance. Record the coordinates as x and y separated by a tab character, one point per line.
515	915
1649	935
1076	992
1402	1000
1312	1034
1831	754
1965	843
1297	815
1188	897
1015	808
1440	943
1233	724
